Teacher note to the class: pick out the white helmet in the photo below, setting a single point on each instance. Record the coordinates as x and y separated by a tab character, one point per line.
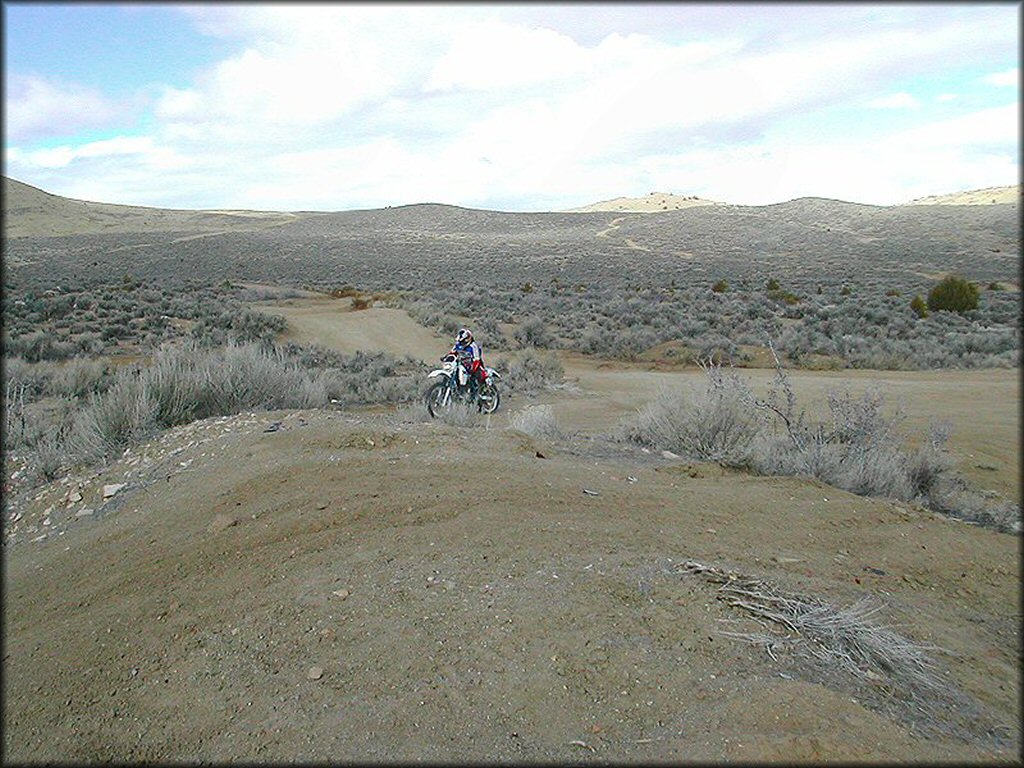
464	336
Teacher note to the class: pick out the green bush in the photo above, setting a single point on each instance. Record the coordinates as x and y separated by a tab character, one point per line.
721	286
953	294
920	308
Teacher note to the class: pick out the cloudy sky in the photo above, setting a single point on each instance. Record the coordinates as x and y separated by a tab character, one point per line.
506	107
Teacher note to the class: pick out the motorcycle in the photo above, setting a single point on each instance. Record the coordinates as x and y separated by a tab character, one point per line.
456	386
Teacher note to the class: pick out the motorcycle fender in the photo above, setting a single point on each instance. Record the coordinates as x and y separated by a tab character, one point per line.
436	372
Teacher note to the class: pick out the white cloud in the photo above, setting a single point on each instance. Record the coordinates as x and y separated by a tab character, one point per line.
492	55
1009	78
35	106
900	100
59	157
998	126
338	106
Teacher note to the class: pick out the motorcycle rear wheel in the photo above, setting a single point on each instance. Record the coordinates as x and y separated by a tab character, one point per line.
490	405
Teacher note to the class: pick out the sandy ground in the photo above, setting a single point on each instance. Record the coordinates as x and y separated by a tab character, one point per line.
323	585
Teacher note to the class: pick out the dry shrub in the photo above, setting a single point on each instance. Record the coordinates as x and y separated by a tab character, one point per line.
459	414
188	384
530	372
713	424
858	447
536	421
849	637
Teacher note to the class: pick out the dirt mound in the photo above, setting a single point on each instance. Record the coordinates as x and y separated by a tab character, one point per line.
329	586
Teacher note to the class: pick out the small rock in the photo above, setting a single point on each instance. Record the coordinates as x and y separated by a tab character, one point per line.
315	673
84	512
342	593
75	497
112	489
669	455
220	523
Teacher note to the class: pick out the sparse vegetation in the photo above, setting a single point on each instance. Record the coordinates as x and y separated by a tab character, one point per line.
542	267
84	411
858	447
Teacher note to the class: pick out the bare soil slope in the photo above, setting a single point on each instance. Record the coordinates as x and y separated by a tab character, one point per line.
324	586
981	407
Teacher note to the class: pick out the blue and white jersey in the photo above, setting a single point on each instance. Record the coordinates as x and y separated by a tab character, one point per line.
468	352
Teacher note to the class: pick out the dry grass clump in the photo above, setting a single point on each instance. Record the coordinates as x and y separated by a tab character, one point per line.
530	372
536	421
848	637
62	414
460	414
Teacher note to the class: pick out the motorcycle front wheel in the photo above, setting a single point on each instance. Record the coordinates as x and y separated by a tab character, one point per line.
488	399
438	398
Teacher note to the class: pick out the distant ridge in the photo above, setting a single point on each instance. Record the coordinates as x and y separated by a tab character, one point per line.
654	202
33	212
649	203
984	196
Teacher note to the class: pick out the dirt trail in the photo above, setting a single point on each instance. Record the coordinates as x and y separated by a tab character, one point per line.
333	324
332	586
981	407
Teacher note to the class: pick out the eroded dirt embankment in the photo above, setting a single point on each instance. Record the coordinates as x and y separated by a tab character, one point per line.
321	585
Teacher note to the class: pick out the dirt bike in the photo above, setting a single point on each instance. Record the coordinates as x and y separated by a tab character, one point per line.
456	386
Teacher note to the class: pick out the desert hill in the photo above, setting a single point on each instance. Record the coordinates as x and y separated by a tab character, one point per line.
651	202
56	241
985	196
29	211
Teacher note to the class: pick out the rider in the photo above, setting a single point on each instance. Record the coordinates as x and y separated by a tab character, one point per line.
470	355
